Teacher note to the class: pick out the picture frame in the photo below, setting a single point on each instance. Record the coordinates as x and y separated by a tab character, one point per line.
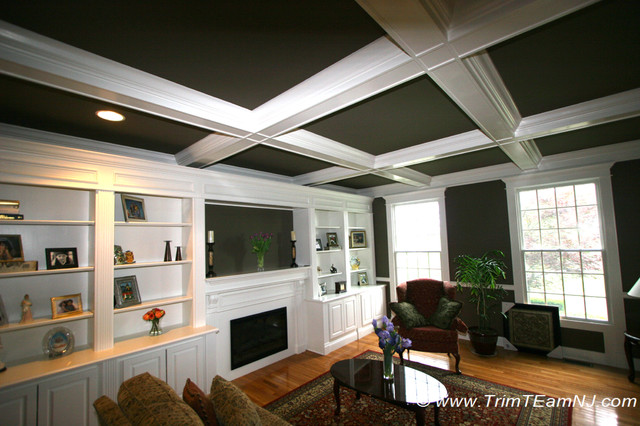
332	239
318	244
341	286
66	306
61	258
362	278
323	288
11	248
4	319
18	266
126	291
358	239
133	207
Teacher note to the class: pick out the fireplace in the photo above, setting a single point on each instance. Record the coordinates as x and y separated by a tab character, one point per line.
257	336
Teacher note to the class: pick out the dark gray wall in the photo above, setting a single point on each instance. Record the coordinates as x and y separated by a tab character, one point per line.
234	226
381	237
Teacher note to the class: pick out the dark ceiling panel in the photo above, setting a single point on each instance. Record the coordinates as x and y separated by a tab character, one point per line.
410	114
458	163
587	55
245	52
604	134
39	107
361	182
272	160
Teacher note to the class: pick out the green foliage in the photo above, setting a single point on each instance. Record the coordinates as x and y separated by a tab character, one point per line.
481	274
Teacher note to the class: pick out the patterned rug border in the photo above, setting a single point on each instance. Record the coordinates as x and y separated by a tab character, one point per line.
525	417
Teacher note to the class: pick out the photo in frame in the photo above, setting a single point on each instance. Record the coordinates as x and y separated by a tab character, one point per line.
362	278
323	288
11	248
66	306
318	244
60	258
133	209
18	266
358	239
126	291
332	239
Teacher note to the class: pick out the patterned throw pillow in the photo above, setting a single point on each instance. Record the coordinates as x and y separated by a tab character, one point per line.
231	405
445	313
196	398
409	315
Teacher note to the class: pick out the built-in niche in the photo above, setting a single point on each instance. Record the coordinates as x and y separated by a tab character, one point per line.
233	227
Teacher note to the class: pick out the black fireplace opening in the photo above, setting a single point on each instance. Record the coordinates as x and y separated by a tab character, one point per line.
257	336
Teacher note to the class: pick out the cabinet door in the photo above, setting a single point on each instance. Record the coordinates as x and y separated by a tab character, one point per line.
186	361
336	319
67	398
378	303
152	362
350	316
366	308
18	405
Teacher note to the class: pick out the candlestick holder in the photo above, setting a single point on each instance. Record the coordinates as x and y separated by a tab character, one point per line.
210	271
293	254
167	251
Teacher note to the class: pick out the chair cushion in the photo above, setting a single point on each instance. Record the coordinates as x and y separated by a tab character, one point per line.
199	402
232	406
446	311
409	314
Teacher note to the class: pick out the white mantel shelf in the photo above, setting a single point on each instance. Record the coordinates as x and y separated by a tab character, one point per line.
44	367
256	279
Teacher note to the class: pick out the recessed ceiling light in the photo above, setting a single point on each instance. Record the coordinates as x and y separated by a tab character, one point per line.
110	115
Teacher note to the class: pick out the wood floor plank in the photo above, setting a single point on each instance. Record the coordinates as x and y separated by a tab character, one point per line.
538	374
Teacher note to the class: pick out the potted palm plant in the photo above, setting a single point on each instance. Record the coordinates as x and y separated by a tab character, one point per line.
481	275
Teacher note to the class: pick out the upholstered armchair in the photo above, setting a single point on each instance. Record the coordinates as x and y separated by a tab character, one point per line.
425	295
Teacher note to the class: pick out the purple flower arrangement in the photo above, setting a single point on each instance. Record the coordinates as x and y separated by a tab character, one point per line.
260	242
390	342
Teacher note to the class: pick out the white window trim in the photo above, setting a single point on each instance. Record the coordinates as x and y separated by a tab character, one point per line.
436	194
614	328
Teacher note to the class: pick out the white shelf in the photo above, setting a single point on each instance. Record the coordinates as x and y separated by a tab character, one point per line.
44	321
329	275
47	272
328	226
151	264
49	222
154	224
153	304
359	248
358	270
330	251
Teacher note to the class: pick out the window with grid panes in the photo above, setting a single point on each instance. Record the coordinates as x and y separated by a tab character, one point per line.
417	245
562	249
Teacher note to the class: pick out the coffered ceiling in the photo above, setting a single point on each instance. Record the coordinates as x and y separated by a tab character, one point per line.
356	94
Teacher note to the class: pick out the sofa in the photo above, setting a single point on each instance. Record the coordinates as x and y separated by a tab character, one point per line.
145	400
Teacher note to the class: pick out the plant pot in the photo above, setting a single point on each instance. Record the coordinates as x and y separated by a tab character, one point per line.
484	341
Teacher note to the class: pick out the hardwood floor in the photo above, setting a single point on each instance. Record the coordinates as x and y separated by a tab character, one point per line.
537	374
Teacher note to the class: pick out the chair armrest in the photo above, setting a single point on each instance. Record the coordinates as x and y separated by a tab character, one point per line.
459	325
109	413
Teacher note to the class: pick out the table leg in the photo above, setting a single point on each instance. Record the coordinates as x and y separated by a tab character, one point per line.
628	353
336	394
436	413
421	417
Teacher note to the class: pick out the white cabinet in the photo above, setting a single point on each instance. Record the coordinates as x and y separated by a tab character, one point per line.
342	317
153	362
372	302
19	405
186	361
67	398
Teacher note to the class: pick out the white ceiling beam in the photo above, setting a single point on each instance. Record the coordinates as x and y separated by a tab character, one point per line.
406	176
30	56
590	113
330	174
212	149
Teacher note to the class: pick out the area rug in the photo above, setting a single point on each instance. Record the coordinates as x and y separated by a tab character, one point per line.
480	403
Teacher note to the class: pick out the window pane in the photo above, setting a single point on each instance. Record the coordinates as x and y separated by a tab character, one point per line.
530	220
535	282
423	260
533	261
592	262
550	239
537	298
586	194
548	219
531	240
401	275
546	198
575	306
551	261
412	260
569	239
573	284
596	308
436	274
553	283
565	196
567	218
417	227
528	200
594	285
571	261
401	260
556	300
434	260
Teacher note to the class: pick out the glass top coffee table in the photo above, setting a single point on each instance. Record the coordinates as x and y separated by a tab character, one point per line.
411	389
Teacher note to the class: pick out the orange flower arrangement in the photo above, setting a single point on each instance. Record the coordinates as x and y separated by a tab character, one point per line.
154	316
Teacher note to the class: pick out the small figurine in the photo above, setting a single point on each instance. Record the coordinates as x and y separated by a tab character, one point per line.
333	269
26	310
128	257
118	255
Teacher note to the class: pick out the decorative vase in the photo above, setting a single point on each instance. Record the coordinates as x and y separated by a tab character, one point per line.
260	256
178	253
155	328
387	364
167	251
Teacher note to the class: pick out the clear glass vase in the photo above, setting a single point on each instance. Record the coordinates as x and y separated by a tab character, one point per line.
260	261
387	364
155	328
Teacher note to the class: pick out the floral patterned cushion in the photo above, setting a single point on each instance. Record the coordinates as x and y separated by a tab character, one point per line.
200	403
231	405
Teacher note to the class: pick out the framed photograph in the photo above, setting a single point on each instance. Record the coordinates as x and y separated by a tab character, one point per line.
362	278
358	239
133	209
332	239
18	266
318	244
341	286
126	291
4	319
60	258
11	248
323	288
66	306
